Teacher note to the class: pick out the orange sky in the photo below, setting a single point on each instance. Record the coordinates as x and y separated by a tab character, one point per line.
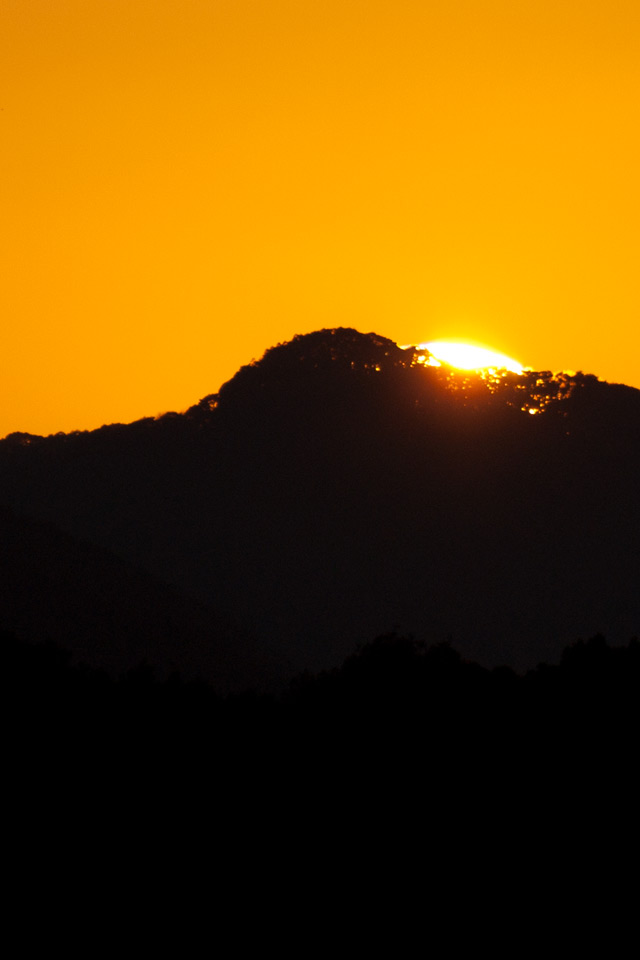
185	183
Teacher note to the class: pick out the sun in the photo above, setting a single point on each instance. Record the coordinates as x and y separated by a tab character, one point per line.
466	356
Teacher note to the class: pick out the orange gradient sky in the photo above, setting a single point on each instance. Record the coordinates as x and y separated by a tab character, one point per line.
187	182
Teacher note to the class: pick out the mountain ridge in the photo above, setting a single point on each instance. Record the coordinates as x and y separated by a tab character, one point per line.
340	487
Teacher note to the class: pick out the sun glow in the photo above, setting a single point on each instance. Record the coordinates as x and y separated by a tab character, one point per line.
465	356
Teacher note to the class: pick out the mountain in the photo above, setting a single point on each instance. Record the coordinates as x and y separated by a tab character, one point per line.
341	487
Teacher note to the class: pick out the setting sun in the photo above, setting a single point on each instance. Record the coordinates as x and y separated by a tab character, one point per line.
466	356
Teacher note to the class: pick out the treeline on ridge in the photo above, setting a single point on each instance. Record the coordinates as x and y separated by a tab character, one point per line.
393	693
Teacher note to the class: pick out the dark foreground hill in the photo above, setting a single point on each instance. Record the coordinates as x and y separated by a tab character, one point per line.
341	488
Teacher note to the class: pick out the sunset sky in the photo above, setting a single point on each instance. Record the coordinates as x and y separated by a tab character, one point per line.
185	183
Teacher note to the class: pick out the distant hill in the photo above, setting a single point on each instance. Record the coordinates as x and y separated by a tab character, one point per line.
110	615
340	488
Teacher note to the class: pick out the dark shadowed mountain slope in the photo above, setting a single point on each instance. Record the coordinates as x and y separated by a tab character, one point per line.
109	615
340	488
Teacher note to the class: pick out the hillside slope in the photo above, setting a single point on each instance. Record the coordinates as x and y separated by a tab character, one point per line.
340	488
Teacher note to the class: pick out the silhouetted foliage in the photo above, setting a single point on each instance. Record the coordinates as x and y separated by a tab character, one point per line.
394	702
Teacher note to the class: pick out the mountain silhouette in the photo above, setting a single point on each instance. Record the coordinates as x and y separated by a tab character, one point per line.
341	488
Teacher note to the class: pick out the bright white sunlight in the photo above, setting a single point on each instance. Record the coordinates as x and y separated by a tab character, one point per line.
466	356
